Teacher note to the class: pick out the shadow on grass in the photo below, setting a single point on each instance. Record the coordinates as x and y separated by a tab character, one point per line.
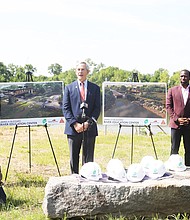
12	203
24	180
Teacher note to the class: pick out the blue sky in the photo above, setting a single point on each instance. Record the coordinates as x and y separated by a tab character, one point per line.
130	34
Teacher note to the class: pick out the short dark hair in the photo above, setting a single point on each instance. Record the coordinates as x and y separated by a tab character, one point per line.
186	71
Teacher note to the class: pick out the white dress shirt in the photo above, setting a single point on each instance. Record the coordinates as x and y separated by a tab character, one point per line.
185	93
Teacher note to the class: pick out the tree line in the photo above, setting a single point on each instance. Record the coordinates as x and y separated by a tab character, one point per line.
99	73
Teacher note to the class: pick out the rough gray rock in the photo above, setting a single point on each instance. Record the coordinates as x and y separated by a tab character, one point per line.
72	197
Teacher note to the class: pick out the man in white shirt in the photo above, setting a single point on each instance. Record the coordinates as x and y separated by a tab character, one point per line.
178	107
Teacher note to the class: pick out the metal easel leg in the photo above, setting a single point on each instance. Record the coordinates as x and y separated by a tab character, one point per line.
52	149
116	141
11	153
29	146
151	136
132	135
161	129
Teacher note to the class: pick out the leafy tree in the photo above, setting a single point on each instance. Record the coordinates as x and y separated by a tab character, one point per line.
160	75
145	77
55	69
174	79
12	69
30	68
98	74
42	78
68	76
90	62
164	76
20	74
122	75
5	74
97	68
94	67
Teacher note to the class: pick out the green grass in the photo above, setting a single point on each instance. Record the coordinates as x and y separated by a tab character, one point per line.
24	187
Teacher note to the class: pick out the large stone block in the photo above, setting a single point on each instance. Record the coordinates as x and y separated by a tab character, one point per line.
72	197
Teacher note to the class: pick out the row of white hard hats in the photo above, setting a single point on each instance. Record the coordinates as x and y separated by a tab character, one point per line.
136	172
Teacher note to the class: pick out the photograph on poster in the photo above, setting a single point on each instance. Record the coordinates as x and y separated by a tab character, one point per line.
31	103
134	103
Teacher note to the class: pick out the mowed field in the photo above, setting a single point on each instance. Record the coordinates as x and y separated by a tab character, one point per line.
26	180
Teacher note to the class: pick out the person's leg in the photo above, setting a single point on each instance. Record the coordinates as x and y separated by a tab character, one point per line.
88	149
186	142
74	148
175	140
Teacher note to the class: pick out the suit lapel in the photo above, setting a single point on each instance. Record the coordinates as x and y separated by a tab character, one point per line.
76	89
88	91
181	95
188	96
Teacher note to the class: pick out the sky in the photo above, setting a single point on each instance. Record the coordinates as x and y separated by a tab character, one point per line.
144	35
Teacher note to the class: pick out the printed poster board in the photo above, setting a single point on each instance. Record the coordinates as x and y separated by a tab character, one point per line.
134	103
31	103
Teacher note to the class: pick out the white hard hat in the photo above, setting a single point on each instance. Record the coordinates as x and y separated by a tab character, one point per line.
116	170
175	163
157	169
91	171
146	163
135	172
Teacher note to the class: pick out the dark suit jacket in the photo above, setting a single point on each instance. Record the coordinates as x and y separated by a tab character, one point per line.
175	106
72	110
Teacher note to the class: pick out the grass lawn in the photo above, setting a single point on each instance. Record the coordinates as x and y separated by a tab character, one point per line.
25	185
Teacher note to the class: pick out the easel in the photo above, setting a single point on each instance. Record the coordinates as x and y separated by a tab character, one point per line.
29	149
136	79
132	139
28	79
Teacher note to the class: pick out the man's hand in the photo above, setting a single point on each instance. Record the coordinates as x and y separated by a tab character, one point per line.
80	127
183	121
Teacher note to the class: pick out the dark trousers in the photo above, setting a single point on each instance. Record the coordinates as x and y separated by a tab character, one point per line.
176	135
75	144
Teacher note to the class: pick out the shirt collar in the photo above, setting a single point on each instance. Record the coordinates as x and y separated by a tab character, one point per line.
185	88
85	83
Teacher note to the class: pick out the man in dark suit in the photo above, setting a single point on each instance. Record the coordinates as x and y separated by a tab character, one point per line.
81	112
178	107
